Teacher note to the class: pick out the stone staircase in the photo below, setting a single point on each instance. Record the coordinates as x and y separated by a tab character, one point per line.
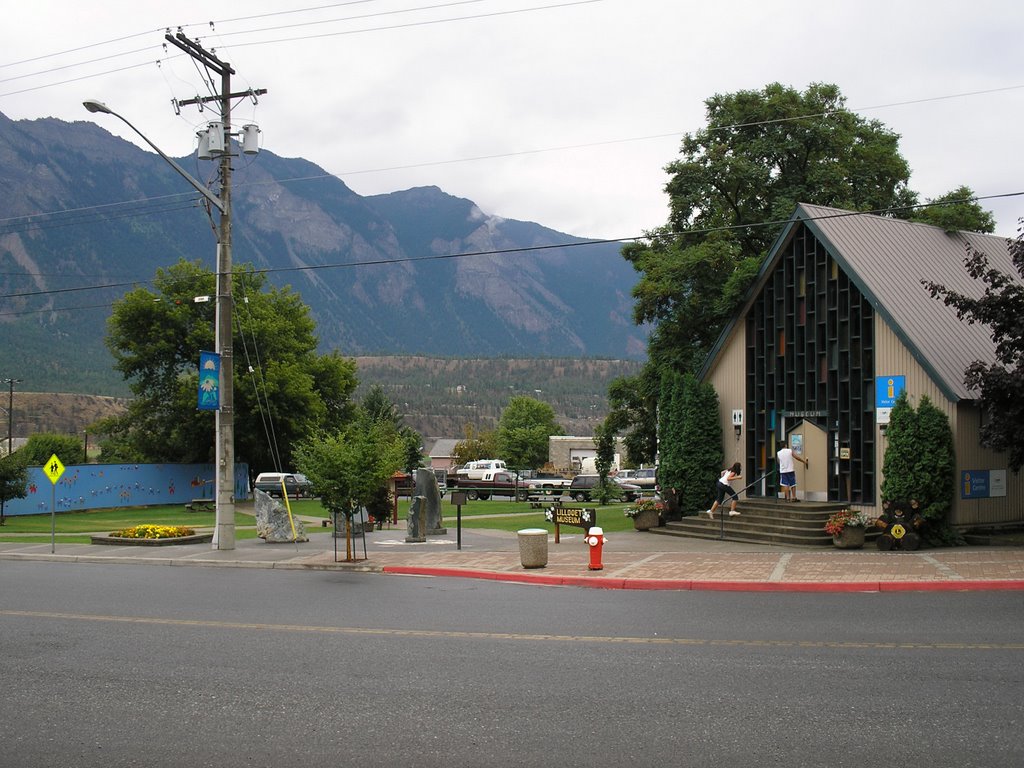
762	521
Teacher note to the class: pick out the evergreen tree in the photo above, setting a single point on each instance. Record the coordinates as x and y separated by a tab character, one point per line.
919	461
899	463
671	422
700	446
936	461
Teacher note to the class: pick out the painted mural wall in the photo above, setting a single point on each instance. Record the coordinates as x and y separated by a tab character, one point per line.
106	486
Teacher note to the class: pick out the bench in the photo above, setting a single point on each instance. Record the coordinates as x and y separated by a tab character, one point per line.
201	505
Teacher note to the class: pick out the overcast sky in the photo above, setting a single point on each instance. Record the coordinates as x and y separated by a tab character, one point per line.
560	113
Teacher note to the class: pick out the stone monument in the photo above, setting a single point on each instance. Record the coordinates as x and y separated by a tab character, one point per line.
272	523
426	487
415	521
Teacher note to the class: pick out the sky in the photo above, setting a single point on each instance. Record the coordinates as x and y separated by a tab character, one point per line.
562	113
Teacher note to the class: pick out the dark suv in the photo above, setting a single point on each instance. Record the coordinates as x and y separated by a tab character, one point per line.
582	487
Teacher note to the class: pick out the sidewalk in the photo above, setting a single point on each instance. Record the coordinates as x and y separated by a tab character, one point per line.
631	560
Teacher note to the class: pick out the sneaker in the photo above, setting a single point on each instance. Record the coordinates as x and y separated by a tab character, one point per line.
733	513
709	513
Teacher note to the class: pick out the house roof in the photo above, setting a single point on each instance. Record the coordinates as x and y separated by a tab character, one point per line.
443	448
887	259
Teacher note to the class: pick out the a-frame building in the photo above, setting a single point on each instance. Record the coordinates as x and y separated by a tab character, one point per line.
835	326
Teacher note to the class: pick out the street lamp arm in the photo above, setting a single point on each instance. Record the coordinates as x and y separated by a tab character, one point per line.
98	106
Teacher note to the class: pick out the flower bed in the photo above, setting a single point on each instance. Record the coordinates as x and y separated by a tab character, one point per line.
154	535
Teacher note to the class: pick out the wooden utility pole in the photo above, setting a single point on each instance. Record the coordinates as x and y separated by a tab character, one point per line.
224	536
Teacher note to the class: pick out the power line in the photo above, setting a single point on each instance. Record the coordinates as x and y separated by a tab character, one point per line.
522	249
564	147
267	42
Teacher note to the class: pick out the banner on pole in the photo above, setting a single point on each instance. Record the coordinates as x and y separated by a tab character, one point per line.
209	381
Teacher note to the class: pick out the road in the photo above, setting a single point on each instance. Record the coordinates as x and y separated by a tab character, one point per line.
127	665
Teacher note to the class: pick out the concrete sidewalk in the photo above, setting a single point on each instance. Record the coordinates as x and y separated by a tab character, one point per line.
631	560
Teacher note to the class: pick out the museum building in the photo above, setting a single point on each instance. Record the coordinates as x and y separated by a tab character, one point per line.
838	324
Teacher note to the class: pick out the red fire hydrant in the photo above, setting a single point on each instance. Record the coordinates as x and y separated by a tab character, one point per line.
596	541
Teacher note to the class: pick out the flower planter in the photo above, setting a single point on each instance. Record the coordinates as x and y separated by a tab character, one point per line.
851	537
646	519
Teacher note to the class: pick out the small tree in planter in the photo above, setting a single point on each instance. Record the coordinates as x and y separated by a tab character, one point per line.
350	467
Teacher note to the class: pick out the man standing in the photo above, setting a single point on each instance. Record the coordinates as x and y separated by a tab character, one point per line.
787	473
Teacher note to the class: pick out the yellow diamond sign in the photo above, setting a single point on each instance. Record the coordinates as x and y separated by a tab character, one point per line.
53	469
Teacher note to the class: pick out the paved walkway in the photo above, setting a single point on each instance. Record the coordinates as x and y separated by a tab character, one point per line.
630	560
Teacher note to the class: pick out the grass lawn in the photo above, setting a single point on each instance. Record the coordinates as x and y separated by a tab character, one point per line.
495	514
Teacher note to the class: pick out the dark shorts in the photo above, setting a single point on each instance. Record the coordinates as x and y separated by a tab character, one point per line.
787	479
724	491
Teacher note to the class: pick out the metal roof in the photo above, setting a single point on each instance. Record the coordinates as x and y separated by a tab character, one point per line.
887	259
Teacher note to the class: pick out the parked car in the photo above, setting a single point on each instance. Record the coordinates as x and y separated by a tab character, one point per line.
646	478
582	488
297	486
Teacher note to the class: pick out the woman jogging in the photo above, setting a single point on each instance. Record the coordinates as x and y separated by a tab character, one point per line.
723	488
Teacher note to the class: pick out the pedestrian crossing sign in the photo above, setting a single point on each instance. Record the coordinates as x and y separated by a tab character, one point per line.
53	469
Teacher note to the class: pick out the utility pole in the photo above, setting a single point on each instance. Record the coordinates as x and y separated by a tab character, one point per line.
224	535
10	433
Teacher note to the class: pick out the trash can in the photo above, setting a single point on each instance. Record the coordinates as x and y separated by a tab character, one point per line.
533	547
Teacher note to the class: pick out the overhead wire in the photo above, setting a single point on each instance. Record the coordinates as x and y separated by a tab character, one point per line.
256	376
166	57
536	248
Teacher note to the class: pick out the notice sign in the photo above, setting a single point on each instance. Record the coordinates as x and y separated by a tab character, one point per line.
581	518
982	483
887	392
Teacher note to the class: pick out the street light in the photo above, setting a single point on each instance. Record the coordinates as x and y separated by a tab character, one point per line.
98	106
224	535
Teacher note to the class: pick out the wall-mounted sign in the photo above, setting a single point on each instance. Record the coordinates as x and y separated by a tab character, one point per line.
887	392
982	483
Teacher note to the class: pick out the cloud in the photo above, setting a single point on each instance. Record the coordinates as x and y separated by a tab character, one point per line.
564	116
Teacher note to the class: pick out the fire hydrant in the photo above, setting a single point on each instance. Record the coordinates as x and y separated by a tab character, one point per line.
596	541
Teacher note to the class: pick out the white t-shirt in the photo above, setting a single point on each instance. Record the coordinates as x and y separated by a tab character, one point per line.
786	463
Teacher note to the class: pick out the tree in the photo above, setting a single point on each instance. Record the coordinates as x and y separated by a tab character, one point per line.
956	211
690	442
475	446
41	446
632	402
378	407
604	442
284	391
735	184
348	467
1001	383
919	461
700	446
13	479
670	427
523	431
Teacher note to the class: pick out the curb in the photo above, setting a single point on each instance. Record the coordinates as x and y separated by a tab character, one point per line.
688	585
552	580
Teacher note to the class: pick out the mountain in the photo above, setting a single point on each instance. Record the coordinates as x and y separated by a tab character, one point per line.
86	216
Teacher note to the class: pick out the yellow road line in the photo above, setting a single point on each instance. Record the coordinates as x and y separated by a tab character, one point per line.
452	634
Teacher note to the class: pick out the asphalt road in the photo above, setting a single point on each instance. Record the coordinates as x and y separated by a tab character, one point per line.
159	666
